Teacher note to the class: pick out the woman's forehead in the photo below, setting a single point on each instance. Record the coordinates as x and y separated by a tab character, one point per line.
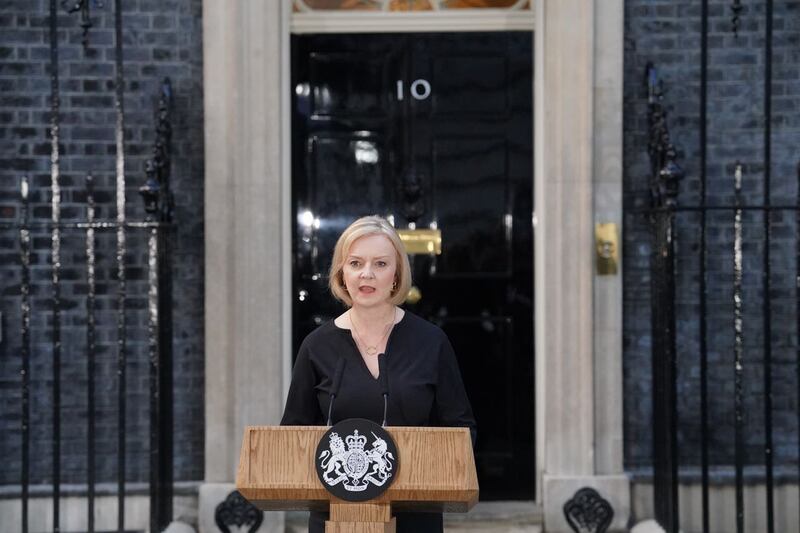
372	245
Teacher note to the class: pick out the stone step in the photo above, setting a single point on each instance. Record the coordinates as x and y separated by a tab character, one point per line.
489	517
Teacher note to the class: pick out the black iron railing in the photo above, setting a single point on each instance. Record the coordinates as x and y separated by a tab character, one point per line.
666	175
663	194
158	227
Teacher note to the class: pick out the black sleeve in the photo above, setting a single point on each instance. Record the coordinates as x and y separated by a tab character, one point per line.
452	405
302	408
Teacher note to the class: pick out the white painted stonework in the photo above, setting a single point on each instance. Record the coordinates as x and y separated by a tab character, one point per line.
73	512
179	527
577	182
722	500
647	526
243	55
211	494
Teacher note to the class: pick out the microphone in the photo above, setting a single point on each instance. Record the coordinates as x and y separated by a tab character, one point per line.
337	384
383	383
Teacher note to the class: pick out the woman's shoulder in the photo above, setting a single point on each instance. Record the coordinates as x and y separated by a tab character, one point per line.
321	334
420	326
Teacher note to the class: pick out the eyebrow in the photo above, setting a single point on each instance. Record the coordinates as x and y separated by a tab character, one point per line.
359	257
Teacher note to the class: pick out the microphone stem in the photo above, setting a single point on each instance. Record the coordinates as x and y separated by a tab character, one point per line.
330	408
385	403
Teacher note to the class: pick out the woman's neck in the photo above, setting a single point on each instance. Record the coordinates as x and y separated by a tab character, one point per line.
373	318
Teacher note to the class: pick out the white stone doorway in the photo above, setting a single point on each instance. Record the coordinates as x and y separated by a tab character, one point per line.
577	182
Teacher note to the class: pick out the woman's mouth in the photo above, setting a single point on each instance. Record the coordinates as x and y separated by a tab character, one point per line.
366	289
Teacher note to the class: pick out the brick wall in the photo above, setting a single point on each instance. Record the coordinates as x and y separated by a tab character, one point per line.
161	38
667	32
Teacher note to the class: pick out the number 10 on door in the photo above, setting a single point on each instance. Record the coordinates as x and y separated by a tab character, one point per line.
420	89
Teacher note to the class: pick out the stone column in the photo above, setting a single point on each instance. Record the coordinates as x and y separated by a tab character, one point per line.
242	53
607	184
578	315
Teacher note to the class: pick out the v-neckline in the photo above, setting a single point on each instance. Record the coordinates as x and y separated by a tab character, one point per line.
364	367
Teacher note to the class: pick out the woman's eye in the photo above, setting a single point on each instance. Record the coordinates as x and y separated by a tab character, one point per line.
353	263
381	263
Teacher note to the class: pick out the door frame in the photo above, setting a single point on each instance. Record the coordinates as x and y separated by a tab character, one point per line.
577	169
441	21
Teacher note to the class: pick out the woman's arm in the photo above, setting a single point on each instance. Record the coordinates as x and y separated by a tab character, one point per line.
302	408
452	405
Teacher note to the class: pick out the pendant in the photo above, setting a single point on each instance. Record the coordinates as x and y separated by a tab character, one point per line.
372	350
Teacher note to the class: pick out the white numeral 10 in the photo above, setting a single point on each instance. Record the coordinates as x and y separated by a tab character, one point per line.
420	89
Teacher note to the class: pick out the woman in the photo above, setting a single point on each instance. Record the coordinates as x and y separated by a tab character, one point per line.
371	275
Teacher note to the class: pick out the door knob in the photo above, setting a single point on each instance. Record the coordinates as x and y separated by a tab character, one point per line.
414	295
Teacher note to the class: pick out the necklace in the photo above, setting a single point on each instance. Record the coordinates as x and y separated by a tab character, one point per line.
372	349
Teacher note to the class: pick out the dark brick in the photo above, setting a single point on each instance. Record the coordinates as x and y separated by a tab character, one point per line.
23	133
162	54
20	69
164	22
735	132
86	142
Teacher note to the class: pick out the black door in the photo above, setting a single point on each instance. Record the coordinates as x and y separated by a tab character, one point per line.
431	131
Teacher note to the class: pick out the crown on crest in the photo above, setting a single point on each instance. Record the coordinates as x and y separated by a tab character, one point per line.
356	442
336	440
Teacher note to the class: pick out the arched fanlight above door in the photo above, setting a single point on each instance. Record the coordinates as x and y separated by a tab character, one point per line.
404	16
406	5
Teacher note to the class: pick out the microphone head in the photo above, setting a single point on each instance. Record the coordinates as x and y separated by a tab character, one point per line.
383	376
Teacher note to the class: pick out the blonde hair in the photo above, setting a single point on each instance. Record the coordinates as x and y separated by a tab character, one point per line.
371	225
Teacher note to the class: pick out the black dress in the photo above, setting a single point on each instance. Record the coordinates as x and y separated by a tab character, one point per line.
425	389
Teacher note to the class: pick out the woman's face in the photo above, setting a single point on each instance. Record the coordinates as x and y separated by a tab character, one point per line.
369	270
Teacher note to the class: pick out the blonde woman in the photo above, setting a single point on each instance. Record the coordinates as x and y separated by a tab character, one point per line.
371	276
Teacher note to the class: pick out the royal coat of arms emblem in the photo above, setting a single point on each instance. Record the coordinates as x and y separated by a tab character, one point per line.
359	466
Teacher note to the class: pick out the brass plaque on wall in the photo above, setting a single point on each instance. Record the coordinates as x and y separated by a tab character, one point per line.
606	248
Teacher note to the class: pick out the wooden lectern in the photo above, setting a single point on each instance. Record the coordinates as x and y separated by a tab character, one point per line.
436	473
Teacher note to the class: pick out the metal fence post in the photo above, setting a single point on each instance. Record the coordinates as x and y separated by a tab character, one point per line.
159	207
663	191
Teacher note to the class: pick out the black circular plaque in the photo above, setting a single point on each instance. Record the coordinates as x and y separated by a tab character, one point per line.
356	460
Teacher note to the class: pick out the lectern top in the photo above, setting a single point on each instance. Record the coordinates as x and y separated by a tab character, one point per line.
437	472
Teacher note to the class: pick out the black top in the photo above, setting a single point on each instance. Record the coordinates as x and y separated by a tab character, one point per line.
425	389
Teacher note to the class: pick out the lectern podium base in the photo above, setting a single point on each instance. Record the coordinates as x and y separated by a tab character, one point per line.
360	518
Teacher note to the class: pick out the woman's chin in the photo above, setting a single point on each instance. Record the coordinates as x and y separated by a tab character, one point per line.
370	300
